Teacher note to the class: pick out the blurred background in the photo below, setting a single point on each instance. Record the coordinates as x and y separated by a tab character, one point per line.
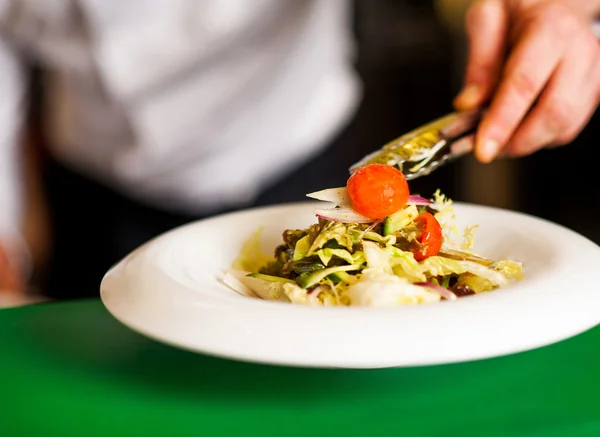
410	58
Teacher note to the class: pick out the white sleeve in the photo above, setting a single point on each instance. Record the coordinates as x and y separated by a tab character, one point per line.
13	86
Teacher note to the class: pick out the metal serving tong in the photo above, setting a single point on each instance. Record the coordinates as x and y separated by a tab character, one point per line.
427	148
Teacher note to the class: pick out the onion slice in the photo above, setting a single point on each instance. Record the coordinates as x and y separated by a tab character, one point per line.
418	201
236	285
337	196
444	292
340	197
446	252
342	215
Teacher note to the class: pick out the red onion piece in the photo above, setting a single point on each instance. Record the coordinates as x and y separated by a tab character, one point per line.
444	292
418	201
342	215
338	196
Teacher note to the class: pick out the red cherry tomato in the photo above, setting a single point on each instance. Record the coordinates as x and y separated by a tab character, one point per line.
377	190
429	241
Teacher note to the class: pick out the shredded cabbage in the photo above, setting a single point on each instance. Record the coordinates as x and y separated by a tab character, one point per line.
404	265
385	289
325	256
333	231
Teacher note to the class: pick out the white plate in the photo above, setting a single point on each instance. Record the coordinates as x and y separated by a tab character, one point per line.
169	290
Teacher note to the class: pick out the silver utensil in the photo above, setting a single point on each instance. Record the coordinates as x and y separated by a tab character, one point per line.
427	148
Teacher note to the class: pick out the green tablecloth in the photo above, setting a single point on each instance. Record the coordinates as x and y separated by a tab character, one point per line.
70	369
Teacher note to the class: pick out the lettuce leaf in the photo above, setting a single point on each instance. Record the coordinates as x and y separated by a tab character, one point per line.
439	266
302	248
510	269
332	231
326	254
405	265
252	257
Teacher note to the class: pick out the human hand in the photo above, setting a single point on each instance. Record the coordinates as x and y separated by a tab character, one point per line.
537	64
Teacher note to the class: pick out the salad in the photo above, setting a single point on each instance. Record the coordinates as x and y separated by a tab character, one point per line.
376	245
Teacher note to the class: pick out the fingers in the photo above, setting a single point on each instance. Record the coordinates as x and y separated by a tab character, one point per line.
536	55
566	105
487	30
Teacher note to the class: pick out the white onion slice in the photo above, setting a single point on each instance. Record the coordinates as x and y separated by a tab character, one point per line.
342	215
340	197
444	292
236	285
337	196
345	214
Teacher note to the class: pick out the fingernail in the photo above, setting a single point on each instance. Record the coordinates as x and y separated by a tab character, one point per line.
469	97
488	150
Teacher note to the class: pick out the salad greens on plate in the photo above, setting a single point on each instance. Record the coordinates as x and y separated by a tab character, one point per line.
377	246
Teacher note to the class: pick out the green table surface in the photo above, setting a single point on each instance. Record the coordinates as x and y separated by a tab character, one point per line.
70	369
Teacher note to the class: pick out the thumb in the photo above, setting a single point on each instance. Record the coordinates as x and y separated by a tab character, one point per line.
487	31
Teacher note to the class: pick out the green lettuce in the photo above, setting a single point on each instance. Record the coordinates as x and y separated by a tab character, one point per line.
251	257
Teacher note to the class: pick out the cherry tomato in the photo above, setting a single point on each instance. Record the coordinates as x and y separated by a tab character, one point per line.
377	190
429	241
